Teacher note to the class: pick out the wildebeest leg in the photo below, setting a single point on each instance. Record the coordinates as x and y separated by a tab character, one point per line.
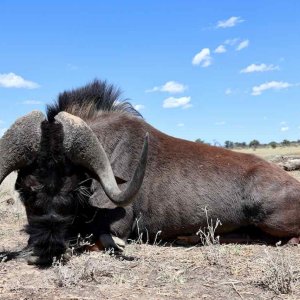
113	224
111	229
110	241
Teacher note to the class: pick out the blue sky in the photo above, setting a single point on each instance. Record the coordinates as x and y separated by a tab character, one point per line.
215	70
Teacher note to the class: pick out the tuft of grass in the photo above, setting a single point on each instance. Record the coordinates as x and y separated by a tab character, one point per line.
140	240
279	275
210	240
208	235
171	275
80	243
85	268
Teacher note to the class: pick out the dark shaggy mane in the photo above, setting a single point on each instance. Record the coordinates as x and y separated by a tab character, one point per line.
86	102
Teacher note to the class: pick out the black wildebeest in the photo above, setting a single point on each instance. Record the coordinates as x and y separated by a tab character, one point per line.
86	168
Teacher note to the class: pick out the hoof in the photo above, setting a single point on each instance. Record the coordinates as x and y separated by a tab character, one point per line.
110	241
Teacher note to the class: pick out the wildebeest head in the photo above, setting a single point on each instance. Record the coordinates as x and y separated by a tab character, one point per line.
56	159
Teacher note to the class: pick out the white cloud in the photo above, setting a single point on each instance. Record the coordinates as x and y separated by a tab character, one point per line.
231	22
228	91
243	44
202	58
2	131
180	124
238	43
259	68
170	87
173	102
11	80
32	102
220	123
285	128
231	42
220	49
139	107
283	123
271	85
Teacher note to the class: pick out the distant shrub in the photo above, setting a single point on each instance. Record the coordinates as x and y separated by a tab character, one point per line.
285	143
229	144
254	144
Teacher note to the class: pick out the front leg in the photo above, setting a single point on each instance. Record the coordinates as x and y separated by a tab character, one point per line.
112	225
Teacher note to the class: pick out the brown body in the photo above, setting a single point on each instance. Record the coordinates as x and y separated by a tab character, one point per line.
183	178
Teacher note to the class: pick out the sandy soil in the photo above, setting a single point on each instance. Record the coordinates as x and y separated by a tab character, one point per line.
146	271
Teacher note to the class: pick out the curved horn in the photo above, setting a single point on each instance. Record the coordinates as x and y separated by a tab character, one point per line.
20	143
83	147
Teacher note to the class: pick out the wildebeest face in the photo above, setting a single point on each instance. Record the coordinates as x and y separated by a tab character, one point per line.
55	193
50	190
54	160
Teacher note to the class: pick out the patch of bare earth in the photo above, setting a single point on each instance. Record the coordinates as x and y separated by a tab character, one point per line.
146	271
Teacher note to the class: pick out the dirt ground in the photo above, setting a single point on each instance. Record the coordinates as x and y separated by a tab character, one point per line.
146	271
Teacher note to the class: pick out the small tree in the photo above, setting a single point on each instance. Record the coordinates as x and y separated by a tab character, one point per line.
273	145
240	145
228	144
254	144
286	143
200	141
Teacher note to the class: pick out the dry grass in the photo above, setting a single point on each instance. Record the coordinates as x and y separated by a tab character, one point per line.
269	152
210	241
145	271
280	275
